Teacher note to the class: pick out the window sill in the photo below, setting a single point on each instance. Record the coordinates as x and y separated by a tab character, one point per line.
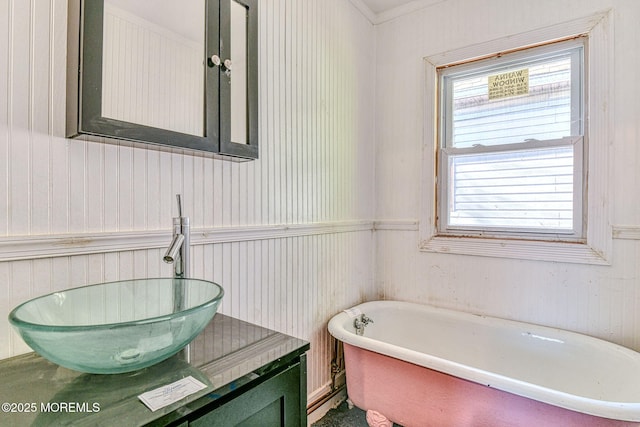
579	253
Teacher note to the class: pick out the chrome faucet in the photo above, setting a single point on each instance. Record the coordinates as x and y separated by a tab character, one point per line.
360	323
178	251
178	254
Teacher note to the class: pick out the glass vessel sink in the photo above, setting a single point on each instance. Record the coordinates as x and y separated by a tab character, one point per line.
117	327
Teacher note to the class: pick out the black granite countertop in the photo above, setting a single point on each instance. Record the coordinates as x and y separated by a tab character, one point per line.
226	356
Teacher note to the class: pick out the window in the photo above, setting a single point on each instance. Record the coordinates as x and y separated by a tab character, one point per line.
590	239
511	151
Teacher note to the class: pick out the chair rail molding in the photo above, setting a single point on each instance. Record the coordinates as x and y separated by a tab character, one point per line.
15	248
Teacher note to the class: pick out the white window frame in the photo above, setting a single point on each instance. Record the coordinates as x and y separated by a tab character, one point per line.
575	141
595	247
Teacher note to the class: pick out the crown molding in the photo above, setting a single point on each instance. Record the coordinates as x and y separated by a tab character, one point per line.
364	9
388	15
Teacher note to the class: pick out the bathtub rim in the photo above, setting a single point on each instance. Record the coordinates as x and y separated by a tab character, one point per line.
623	411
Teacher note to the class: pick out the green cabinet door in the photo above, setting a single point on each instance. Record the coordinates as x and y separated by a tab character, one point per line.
278	402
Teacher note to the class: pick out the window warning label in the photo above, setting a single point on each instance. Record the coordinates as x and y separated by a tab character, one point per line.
505	85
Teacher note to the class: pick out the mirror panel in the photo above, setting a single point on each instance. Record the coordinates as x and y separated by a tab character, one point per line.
152	64
116	69
238	75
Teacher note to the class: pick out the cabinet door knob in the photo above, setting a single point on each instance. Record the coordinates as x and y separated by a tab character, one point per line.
227	64
214	61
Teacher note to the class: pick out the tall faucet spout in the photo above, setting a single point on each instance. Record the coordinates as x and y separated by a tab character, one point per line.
178	251
178	254
173	251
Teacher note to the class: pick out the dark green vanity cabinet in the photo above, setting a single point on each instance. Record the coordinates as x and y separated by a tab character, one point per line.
275	402
253	377
181	74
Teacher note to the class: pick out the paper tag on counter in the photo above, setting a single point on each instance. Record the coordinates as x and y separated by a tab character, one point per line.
353	312
170	393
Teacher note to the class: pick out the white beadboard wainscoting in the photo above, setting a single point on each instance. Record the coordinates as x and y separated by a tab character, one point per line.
291	284
601	301
288	236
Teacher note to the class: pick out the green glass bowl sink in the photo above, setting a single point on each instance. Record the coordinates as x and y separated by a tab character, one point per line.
117	327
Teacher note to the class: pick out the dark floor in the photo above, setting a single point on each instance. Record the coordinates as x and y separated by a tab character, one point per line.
342	416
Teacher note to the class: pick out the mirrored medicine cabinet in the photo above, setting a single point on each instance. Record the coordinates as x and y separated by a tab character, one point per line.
177	73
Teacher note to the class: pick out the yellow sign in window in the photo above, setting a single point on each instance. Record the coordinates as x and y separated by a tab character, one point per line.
505	85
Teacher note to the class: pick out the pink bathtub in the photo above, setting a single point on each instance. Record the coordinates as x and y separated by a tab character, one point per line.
422	366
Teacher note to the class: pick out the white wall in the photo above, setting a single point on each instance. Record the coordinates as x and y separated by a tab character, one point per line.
288	236
598	300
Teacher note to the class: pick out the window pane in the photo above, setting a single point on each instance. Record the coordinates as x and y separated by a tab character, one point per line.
504	105
528	189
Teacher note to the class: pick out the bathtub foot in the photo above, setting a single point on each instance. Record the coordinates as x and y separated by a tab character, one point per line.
376	419
349	404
